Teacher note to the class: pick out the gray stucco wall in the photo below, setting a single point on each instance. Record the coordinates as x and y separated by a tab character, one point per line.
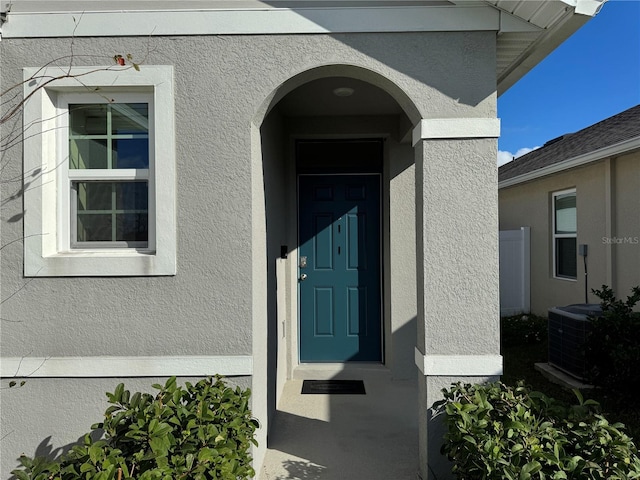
457	258
401	299
46	416
626	257
458	217
217	302
275	185
220	84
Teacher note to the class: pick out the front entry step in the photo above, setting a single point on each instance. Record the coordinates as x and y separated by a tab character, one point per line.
338	437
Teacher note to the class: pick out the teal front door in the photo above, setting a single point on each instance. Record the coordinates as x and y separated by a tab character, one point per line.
339	268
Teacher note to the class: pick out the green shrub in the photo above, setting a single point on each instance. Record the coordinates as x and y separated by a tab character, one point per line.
612	347
201	432
499	432
523	329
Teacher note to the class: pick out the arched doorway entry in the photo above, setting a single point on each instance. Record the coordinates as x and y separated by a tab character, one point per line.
337	171
337	168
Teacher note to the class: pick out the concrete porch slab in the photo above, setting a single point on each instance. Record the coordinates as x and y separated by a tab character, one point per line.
337	437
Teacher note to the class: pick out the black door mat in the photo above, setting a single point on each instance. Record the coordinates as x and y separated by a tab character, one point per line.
333	387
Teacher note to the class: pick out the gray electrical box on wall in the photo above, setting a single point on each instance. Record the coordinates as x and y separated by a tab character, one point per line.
582	249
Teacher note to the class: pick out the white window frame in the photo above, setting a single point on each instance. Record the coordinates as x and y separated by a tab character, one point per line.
68	176
555	235
47	209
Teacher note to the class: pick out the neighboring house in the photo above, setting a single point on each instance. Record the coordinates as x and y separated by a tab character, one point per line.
579	189
246	204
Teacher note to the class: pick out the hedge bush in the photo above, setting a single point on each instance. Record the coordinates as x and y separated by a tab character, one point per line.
612	347
495	431
200	432
523	329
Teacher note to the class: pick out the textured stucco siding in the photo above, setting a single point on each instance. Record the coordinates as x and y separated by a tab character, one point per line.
220	84
229	222
457	263
626	224
460	246
400	298
601	219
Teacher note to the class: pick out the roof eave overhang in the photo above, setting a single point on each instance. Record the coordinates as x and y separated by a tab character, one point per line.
79	18
546	43
243	21
85	18
621	148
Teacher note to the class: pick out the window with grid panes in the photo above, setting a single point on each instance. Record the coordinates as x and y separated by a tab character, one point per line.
565	234
109	172
100	168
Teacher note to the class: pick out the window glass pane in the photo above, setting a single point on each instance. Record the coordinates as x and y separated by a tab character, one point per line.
112	211
94	227
131	153
88	153
566	258
94	196
565	210
129	118
110	135
132	227
132	196
88	119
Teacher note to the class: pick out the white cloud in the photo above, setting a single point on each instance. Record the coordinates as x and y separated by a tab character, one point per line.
506	157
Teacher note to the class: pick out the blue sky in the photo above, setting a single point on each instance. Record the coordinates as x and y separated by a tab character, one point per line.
593	75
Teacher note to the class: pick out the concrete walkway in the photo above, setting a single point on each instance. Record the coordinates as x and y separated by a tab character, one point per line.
340	437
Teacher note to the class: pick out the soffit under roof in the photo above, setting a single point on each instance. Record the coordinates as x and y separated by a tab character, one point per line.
528	30
519	52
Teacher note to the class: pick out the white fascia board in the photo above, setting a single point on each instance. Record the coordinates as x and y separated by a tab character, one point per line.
448	128
252	21
586	7
458	365
106	367
611	151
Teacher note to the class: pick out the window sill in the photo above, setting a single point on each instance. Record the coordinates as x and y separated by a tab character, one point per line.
103	252
565	279
102	264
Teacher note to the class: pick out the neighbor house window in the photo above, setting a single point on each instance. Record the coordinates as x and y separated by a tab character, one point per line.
101	170
564	234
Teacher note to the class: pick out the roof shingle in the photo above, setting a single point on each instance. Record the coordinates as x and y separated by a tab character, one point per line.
613	130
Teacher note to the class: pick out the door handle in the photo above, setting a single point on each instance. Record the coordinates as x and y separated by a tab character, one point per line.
303	277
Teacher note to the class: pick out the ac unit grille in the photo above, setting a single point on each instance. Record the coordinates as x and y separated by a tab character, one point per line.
568	329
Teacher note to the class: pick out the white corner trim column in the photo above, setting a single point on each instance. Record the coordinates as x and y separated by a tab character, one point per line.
434	128
459	365
109	367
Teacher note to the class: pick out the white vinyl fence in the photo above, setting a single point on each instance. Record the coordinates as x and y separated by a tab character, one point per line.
515	288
